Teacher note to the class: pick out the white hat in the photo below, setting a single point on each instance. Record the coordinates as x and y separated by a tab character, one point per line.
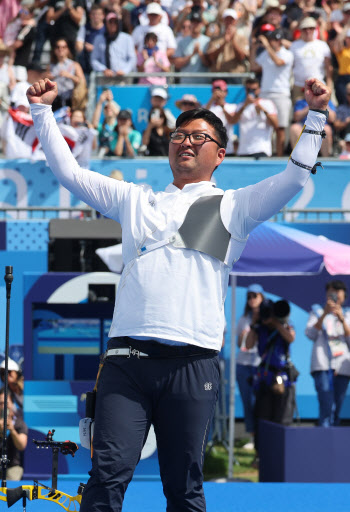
12	365
230	12
273	4
18	95
154	8
308	22
21	73
159	91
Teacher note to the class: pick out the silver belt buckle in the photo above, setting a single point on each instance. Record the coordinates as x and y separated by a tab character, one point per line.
134	352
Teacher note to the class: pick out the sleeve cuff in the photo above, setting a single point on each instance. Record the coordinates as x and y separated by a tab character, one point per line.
315	120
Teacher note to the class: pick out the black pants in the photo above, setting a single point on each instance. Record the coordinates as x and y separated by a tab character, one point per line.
176	391
273	407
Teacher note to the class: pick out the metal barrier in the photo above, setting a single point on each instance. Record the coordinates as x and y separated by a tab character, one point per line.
285	215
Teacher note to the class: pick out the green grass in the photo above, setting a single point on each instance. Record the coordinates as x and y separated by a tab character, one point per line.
216	462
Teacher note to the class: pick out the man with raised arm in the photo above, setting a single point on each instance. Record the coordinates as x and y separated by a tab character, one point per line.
179	245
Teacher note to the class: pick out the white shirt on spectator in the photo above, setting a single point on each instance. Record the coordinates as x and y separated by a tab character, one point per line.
166	38
275	78
254	131
231	109
309	60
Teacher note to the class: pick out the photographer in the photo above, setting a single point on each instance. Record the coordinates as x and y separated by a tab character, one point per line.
17	437
273	382
329	329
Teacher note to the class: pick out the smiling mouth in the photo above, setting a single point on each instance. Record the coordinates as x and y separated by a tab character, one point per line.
186	154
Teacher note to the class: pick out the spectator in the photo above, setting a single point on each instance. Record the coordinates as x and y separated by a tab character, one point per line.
85	139
301	110
65	17
7	80
68	74
274	387
191	54
257	118
339	23
272	15
229	52
139	14
185	30
166	39
114	53
152	60
248	359
43	28
312	57
341	49
329	329
106	129
18	135
223	110
342	121
185	12
126	140
19	35
86	37
15	383
159	98
17	438
345	148
155	138
8	11
275	63
187	102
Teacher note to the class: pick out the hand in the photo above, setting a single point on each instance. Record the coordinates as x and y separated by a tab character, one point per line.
317	94
264	41
120	73
43	91
65	74
108	72
124	131
196	49
89	47
106	95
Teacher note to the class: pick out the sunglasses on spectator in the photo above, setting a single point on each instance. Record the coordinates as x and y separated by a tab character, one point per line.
188	103
61	46
252	295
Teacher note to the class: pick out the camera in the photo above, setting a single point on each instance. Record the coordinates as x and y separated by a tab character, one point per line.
269	309
334	297
196	8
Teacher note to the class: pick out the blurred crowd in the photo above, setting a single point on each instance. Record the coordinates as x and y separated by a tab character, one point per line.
279	42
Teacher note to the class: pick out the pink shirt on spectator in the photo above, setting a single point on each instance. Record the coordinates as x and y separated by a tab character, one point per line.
8	10
151	67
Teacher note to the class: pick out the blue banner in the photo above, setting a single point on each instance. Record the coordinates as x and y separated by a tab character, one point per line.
23	183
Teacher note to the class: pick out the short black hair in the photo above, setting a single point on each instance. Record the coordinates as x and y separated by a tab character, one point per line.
336	284
209	117
251	81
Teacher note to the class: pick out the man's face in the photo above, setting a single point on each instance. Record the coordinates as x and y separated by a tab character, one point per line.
154	19
96	17
253	90
339	293
307	34
190	163
274	17
196	28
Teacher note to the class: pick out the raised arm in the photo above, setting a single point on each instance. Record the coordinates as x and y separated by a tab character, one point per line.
98	191
257	203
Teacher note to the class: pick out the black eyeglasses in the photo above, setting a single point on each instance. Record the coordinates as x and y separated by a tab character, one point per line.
252	295
197	139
